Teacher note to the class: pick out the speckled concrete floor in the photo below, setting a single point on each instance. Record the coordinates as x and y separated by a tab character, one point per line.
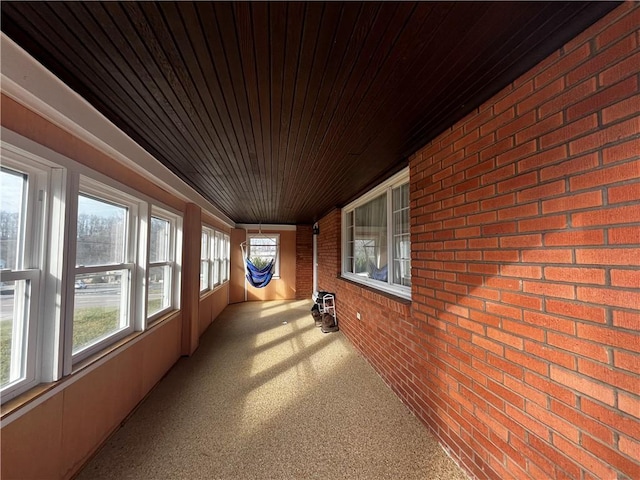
269	396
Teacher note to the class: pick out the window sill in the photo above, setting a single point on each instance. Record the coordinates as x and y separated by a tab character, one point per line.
165	317
33	394
378	291
26	398
123	341
205	293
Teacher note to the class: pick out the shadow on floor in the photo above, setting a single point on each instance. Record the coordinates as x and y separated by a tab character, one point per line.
268	396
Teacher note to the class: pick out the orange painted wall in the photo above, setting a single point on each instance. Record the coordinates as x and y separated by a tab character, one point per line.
54	439
211	305
58	436
236	276
213	222
192	223
30	125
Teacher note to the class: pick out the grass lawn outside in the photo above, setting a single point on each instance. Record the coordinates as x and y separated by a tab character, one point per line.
6	328
93	323
89	325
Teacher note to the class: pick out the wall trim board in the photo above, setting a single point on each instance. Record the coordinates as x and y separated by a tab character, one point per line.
250	227
18	144
27	82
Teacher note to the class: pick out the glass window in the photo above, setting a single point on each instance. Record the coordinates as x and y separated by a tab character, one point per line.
22	196
73	263
100	307
261	249
226	252
160	274
103	275
100	233
376	238
368	240
204	260
216	253
214	259
12	210
160	240
14	319
401	237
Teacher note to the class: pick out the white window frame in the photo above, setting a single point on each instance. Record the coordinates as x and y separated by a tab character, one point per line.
130	319
205	256
395	235
216	254
49	242
27	341
385	188
276	238
226	257
217	258
171	287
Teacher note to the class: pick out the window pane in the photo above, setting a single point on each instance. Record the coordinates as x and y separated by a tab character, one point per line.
363	249
13	328
401	236
401	197
401	222
401	209
12	203
402	260
204	275
350	254
204	246
225	263
350	243
101	232
216	252
159	289
262	250
376	237
159	241
370	239
98	307
217	271
402	247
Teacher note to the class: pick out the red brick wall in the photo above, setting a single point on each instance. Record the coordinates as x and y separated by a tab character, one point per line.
520	350
329	250
304	262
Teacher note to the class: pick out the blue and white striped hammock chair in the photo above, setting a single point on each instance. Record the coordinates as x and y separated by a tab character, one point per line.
258	277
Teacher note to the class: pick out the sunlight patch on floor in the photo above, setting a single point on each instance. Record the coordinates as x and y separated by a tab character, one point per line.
275	307
272	398
290	359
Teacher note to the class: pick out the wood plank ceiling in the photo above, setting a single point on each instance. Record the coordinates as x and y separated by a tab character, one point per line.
278	112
